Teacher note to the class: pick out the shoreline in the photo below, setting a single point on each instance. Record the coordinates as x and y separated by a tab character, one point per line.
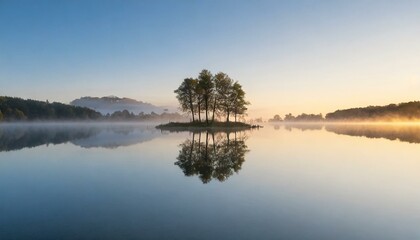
202	126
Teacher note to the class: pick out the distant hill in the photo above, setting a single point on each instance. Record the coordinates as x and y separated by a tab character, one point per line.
112	104
18	109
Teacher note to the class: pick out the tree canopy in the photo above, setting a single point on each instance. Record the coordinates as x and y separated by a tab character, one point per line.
216	96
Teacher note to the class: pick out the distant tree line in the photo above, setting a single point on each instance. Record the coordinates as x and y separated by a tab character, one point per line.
17	109
403	111
299	118
409	111
125	115
212	95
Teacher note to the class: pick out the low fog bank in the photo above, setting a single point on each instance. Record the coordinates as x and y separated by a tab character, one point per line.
79	123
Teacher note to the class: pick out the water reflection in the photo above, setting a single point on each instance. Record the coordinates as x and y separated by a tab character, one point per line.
303	127
402	132
19	136
212	155
300	126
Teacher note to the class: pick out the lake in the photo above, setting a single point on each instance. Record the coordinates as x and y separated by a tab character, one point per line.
286	181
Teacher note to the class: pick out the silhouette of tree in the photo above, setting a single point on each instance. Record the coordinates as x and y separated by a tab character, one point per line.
289	117
222	86
186	95
205	81
199	100
218	94
276	118
238	100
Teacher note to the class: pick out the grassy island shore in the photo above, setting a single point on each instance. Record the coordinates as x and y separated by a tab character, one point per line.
203	126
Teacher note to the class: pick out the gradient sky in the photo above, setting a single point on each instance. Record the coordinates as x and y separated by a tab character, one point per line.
290	56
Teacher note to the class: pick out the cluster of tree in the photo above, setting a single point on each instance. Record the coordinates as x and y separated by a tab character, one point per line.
404	111
12	109
217	156
299	118
304	117
276	118
217	95
125	115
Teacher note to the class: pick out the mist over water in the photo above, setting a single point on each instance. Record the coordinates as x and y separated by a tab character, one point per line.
405	132
132	181
87	135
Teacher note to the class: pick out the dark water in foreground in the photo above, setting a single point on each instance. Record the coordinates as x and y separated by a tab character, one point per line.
281	182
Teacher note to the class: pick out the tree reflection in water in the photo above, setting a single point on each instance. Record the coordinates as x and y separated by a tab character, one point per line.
212	155
86	135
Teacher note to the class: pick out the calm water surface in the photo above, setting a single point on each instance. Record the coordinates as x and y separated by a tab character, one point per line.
130	181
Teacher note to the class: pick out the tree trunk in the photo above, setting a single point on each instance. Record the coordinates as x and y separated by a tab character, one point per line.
207	110
227	118
214	109
192	112
199	113
191	107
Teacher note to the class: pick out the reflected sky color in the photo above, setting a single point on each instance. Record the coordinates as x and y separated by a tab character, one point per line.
292	184
291	56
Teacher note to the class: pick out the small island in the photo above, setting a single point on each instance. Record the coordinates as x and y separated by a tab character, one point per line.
211	101
203	126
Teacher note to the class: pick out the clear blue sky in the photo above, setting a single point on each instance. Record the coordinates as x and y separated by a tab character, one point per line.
290	56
